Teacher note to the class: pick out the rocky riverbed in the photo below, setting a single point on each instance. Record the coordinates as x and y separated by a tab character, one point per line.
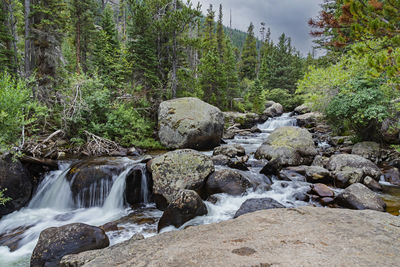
263	165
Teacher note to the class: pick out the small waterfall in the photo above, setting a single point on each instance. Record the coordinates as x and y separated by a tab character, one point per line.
274	123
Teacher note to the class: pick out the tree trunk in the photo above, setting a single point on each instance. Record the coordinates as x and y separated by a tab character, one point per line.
28	51
174	80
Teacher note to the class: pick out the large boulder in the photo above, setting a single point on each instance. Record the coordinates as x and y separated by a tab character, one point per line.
184	207
16	182
56	242
290	145
273	109
368	150
317	237
302	109
227	181
231	151
358	196
256	204
309	120
189	123
347	162
178	170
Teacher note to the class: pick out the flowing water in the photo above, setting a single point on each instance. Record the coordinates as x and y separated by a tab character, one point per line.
53	203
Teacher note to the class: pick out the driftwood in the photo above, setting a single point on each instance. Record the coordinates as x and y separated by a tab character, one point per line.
96	145
38	161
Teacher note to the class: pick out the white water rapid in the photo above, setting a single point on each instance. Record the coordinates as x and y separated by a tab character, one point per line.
52	205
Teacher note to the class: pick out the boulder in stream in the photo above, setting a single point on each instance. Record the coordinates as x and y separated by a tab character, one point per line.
357	196
368	150
16	181
272	109
187	205
189	123
231	151
56	242
292	146
227	181
309	120
178	170
256	204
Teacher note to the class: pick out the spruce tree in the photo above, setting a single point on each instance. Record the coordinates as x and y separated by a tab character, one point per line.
220	34
6	52
248	64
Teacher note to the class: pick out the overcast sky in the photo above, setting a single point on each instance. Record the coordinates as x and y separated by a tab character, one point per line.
288	16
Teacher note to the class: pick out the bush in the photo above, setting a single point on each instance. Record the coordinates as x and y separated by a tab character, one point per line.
285	98
17	110
360	106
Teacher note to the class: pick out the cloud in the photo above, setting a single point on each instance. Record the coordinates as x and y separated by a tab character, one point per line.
282	16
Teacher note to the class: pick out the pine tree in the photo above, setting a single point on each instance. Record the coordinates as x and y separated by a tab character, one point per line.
256	97
6	53
232	78
248	64
220	34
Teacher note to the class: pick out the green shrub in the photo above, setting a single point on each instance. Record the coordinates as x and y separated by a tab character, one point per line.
3	199
285	98
17	110
360	106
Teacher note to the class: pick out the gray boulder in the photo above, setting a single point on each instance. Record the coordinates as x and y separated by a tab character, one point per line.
190	123
178	170
256	204
230	151
302	109
243	120
273	109
368	150
56	242
309	120
227	181
16	181
342	162
290	145
183	208
359	197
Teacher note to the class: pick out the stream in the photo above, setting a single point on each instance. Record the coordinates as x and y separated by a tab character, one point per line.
52	205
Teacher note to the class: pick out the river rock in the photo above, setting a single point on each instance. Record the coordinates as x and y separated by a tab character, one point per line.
348	176
16	181
368	150
178	170
358	196
302	109
345	161
230	151
220	160
322	190
88	178
56	242
309	120
183	208
256	204
227	181
243	120
273	109
371	239
316	174
372	184
392	176
189	123
291	145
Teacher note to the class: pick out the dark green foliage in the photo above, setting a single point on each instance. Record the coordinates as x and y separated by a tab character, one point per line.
256	97
6	52
248	63
288	100
361	106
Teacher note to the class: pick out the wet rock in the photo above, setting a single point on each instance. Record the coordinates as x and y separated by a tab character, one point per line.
110	227
340	140
325	201
190	123
133	192
183	208
256	204
345	161
272	167
368	150
88	178
56	242
372	184
320	161
244	120
348	176
133	152
358	196
291	145
300	196
315	174
213	199
230	151
322	190
177	170
273	109
255	129
290	175
309	120
227	181
302	109
239	163
16	180
220	160
392	176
